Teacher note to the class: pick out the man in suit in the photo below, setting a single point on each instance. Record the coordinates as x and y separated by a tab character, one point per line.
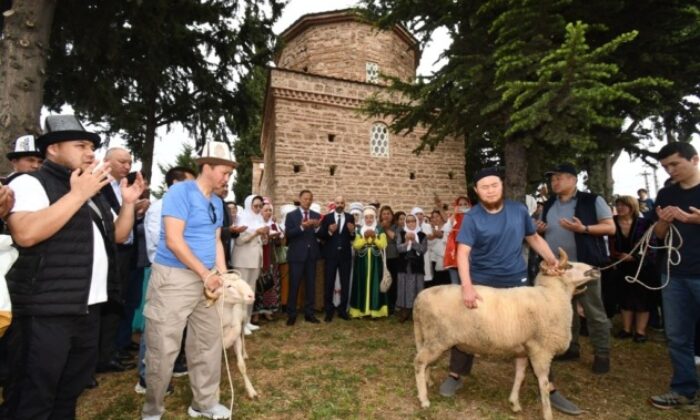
301	227
115	331
338	232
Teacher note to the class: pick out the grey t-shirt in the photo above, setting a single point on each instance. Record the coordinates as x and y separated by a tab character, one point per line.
558	237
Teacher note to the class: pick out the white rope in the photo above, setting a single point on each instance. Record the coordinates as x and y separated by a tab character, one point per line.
673	256
220	311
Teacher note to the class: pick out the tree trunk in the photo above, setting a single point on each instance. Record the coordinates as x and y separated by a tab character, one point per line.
600	180
516	170
149	144
23	51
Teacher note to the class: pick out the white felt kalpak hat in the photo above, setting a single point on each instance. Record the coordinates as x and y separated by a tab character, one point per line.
216	153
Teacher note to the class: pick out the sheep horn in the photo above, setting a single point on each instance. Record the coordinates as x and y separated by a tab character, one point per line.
563	259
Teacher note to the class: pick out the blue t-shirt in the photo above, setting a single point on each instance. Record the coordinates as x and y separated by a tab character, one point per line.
496	241
202	217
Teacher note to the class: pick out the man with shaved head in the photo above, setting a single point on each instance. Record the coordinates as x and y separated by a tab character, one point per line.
338	232
113	317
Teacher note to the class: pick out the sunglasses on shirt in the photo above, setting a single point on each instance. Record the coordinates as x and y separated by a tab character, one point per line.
212	213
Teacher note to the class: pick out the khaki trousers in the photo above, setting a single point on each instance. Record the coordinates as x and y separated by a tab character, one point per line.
175	299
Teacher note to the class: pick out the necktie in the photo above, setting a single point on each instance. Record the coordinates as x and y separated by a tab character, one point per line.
306	216
339	221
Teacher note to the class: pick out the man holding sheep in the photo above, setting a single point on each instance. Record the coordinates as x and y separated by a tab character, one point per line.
490	254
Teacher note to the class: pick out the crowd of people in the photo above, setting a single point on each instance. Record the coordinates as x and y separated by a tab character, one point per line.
100	261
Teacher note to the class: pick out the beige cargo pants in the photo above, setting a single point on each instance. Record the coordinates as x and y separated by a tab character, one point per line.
175	299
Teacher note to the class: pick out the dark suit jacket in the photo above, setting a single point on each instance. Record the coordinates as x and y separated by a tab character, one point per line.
301	243
338	245
111	198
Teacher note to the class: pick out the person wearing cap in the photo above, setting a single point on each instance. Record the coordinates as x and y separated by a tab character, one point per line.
301	227
25	156
66	235
189	258
489	253
576	222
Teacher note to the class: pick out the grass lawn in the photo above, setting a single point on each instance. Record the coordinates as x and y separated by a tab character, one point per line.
363	369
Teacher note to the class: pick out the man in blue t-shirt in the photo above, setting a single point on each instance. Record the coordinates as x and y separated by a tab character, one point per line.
678	206
489	253
189	249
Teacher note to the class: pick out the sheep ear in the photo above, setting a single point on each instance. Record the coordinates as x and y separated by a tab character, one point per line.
548	271
563	259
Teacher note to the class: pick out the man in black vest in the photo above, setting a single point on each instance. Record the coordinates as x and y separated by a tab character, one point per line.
577	222
338	232
66	235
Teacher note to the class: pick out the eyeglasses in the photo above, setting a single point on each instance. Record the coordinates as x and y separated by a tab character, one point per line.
212	213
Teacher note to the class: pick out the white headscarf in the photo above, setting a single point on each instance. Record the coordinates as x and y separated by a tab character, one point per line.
414	231
373	226
414	212
354	209
248	218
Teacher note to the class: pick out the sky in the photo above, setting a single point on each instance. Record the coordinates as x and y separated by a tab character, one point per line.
626	172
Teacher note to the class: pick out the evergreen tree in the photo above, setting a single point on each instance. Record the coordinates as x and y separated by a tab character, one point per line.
139	65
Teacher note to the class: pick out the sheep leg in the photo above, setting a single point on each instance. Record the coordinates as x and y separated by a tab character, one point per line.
425	357
240	362
540	365
520	366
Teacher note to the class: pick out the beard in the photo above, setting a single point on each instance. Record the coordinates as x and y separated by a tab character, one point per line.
493	206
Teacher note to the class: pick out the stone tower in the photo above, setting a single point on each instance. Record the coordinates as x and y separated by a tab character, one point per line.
314	137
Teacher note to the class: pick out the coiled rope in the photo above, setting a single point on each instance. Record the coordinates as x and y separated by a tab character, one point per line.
673	256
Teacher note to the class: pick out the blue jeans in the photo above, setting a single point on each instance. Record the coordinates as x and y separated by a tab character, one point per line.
681	300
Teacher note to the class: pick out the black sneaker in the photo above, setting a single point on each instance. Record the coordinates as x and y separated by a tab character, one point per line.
140	387
180	369
601	365
671	400
570	354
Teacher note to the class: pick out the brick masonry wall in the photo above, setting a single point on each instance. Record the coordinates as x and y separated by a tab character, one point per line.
342	49
304	109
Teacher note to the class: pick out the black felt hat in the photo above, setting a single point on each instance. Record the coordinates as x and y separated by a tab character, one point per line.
563	168
24	146
60	128
490	171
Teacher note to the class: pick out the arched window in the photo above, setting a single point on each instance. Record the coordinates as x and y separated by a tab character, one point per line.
372	72
379	140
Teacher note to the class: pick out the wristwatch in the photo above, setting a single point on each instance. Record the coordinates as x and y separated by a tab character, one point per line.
585	229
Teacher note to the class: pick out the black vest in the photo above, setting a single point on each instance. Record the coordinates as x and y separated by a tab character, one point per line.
589	249
53	277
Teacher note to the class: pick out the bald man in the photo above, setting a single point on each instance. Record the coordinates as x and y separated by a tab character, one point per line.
337	231
115	334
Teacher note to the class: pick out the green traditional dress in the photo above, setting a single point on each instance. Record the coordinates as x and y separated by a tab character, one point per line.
366	299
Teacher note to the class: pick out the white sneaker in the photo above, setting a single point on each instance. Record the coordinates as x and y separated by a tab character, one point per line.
150	417
252	327
216	412
246	331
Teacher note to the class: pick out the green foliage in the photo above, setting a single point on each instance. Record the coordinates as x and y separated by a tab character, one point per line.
565	79
252	93
185	159
136	66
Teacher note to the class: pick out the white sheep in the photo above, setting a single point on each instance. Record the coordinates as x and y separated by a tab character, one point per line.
237	295
523	322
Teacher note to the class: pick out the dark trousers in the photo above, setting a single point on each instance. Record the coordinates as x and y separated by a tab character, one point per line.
461	363
297	270
392	264
51	361
112	312
132	301
342	266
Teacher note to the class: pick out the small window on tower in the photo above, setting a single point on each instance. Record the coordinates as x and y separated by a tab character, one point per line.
379	140
372	72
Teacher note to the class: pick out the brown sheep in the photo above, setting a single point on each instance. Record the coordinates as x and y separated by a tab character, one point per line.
523	322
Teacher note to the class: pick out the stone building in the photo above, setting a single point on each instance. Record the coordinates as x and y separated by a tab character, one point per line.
314	137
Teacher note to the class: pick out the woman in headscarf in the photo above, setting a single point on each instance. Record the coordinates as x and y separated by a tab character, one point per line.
356	211
370	241
247	253
386	220
267	293
412	245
